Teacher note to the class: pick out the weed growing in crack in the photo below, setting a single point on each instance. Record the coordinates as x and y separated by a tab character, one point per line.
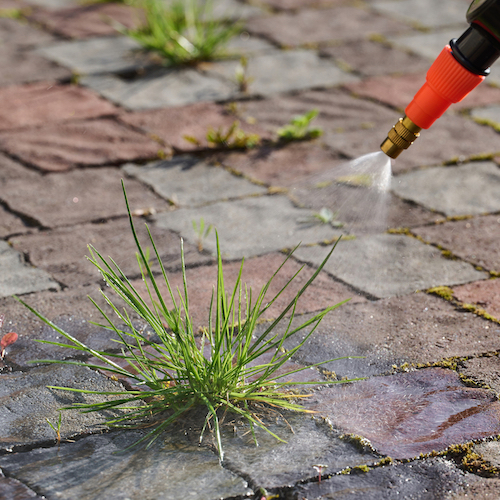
234	137
184	31
221	370
201	232
298	128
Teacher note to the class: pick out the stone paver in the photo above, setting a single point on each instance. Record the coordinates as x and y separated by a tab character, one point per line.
489	114
19	35
323	25
446	13
482	370
188	182
275	225
161	88
40	103
79	196
172	125
59	147
385	265
475	240
484	294
19	277
469	189
9	224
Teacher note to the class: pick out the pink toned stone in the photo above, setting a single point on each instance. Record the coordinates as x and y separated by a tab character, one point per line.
40	103
485	294
322	293
67	145
172	125
89	20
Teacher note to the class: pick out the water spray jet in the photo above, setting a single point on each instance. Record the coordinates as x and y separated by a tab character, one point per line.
460	67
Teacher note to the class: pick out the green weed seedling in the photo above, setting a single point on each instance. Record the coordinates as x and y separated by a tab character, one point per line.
324	216
220	370
183	31
201	232
234	137
298	129
56	429
241	75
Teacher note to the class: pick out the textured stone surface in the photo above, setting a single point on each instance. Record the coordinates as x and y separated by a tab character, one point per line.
426	480
278	72
415	328
41	103
474	240
62	252
274	222
19	35
384	265
18	277
92	466
97	55
76	197
11	488
59	147
480	488
483	370
27	402
161	88
9	223
187	181
172	125
318	25
470	189
488	114
88	20
323	293
484	294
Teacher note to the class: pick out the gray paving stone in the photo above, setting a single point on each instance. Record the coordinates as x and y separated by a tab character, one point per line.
12	488
97	55
189	182
27	403
9	223
247	45
249	227
469	189
17	277
17	35
426	480
489	114
385	265
284	72
96	466
426	13
161	88
55	4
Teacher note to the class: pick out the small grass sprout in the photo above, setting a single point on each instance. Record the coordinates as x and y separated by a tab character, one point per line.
241	75
233	137
201	232
298	128
324	216
56	428
221	371
183	31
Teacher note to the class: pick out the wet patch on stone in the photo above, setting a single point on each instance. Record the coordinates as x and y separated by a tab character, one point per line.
26	403
172	468
12	488
427	480
407	414
189	182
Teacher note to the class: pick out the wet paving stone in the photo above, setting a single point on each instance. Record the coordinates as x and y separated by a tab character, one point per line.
18	277
187	181
448	13
11	488
275	224
451	138
324	291
384	265
406	414
413	329
27	403
469	189
97	55
484	294
314	26
59	147
62	252
475	240
97	464
79	196
273	464
45	102
278	72
172	125
430	480
85	21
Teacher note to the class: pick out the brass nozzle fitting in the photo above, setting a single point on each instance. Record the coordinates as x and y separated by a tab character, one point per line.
400	137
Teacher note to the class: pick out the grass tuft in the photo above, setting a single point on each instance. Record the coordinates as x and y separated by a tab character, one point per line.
221	370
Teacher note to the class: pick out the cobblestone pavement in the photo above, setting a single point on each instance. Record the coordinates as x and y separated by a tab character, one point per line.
82	108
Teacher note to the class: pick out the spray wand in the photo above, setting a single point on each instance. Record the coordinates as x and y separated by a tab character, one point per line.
460	67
